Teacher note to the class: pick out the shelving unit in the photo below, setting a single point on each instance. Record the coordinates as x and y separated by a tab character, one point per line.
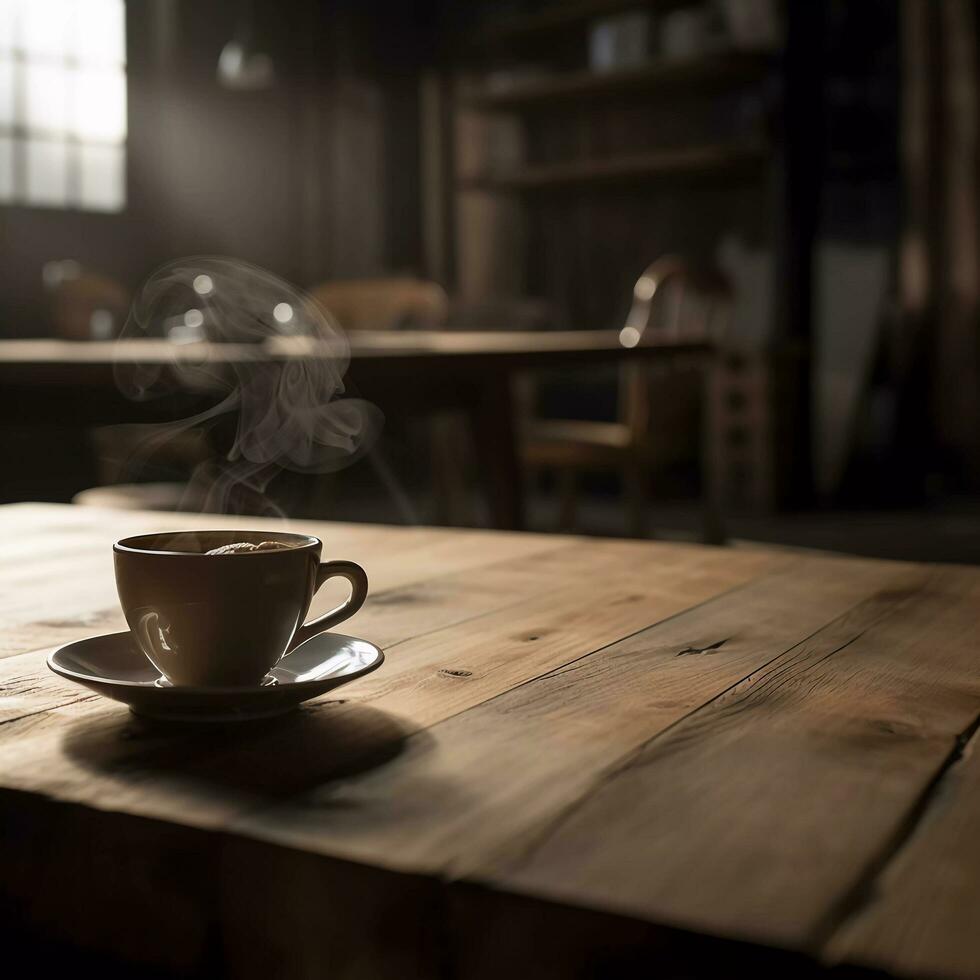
564	182
545	23
658	77
693	162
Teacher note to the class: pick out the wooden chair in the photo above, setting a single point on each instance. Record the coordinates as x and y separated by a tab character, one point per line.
451	438
384	304
357	304
138	496
401	303
88	306
677	301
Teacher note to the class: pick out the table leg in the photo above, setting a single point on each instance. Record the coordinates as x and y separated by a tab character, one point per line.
497	450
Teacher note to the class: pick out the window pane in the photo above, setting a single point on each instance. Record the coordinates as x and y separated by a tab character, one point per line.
6	90
44	27
103	186
6	168
7	8
100	32
99	104
47	172
47	97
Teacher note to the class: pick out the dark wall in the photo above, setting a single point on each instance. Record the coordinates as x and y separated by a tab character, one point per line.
213	170
313	178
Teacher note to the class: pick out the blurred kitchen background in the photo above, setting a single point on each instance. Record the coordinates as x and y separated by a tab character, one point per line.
792	186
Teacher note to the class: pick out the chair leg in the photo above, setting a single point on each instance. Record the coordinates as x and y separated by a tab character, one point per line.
568	498
634	488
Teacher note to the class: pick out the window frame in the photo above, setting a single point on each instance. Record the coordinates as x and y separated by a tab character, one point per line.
20	133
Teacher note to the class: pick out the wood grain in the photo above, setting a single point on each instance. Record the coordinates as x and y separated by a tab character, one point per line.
469	793
763	811
56	578
434	674
580	756
919	914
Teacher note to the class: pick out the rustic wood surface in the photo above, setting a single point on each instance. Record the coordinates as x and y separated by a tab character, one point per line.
582	757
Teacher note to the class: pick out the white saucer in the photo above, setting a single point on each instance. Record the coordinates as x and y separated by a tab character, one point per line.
115	667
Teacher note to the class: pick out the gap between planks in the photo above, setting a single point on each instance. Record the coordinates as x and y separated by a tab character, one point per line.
861	934
714	877
688	636
861	895
607	715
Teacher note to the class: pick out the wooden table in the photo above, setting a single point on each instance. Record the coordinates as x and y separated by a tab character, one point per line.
66	382
581	758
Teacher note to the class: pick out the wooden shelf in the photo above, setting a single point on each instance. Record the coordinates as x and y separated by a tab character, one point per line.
718	68
683	162
559	17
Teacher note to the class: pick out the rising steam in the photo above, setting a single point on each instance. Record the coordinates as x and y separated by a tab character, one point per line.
278	372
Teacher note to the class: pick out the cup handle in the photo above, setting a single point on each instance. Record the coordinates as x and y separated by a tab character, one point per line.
358	593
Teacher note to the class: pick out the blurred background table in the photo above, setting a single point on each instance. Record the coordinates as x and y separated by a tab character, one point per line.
404	372
581	757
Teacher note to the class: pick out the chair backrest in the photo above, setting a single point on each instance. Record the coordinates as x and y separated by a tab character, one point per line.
503	314
676	300
679	300
88	306
384	304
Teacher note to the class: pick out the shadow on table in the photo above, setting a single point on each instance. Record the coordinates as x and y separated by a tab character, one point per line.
269	759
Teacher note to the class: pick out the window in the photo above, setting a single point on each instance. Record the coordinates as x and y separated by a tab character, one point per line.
63	103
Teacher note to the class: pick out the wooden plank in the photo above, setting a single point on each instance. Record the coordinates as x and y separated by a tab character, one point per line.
56	577
666	74
395	616
147	899
679	742
488	780
555	17
671	575
425	683
61	557
685	161
919	916
484	783
68	562
475	787
433	677
760	815
493	934
90	751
